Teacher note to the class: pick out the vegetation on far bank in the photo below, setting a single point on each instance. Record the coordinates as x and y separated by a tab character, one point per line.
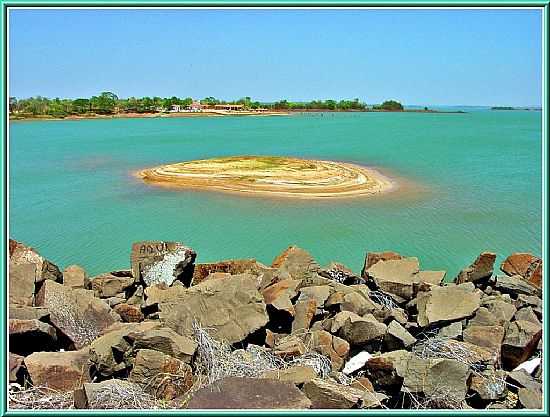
108	103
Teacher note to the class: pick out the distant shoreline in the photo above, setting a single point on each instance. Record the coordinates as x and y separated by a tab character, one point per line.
220	114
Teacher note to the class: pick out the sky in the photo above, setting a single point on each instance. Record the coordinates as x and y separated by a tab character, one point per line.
416	56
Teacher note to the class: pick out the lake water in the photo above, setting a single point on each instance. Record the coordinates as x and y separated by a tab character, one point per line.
469	182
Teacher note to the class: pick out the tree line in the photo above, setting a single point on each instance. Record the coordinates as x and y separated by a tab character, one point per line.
109	103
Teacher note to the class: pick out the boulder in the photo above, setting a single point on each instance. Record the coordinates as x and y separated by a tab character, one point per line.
325	394
110	394
76	313
444	304
339	273
527	314
29	313
155	262
247	393
484	317
21	254
520	342
452	331
164	340
162	294
62	371
28	336
530	399
480	269
489	385
528	266
297	263
298	375
107	285
16	370
232	266
319	293
232	308
489	337
359	331
502	311
397	337
335	348
515	284
21	283
289	347
358	302
161	375
373	257
520	378
304	313
129	313
279	295
75	276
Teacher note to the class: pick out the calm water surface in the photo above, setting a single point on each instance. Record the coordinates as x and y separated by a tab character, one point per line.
469	182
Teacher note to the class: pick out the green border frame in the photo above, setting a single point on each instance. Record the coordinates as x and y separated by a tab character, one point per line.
545	4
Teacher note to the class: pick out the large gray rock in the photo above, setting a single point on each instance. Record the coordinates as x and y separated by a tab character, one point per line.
515	284
21	283
359	331
373	257
247	393
165	340
108	285
155	262
489	337
231	308
62	371
297	263
20	254
397	337
450	303
481	268
76	313
75	276
520	342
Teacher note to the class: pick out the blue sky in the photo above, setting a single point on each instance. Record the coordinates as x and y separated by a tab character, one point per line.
454	57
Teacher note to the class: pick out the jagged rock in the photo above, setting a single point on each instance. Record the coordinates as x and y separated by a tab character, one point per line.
289	347
21	283
482	268
530	399
239	393
279	295
502	310
161	294
484	317
319	293
232	308
520	341
75	276
232	266
298	375
325	394
521	378
164	340
359	331
95	395
304	313
138	297
489	385
515	285
402	277
155	262
529	267
107	285
397	336
62	371
16	367
28	313
21	254
76	313
298	263
528	300
331	346
161	375
129	313
28	336
450	303
387	316
339	273
489	337
108	353
373	257
358	302
452	331
527	314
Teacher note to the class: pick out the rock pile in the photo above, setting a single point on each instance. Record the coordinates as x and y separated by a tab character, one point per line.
170	333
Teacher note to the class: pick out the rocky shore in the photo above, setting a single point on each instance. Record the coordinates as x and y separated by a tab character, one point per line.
171	333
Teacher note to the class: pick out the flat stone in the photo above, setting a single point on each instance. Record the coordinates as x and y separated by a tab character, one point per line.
231	308
165	340
522	379
452	331
325	394
530	399
95	395
489	337
28	313
396	276
515	284
304	313
298	375
528	266
520	342
279	295
75	276
107	285
161	375
297	263
289	347
157	294
397	336
481	268
359	331
373	257
155	262
21	283
62	371
76	313
339	273
527	314
247	393
443	304
359	303
503	311
319	293
27	336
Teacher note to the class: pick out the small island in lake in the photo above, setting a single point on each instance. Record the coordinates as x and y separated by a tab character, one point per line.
272	176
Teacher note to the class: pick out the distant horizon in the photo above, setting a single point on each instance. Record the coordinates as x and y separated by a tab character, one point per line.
484	57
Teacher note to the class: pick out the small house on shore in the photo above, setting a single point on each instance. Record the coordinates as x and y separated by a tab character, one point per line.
233	107
195	106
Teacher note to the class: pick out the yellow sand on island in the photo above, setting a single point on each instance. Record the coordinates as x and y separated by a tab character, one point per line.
272	176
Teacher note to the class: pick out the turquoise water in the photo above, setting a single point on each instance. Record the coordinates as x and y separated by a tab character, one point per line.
469	182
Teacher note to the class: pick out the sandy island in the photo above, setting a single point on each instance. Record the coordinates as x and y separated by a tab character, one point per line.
272	176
